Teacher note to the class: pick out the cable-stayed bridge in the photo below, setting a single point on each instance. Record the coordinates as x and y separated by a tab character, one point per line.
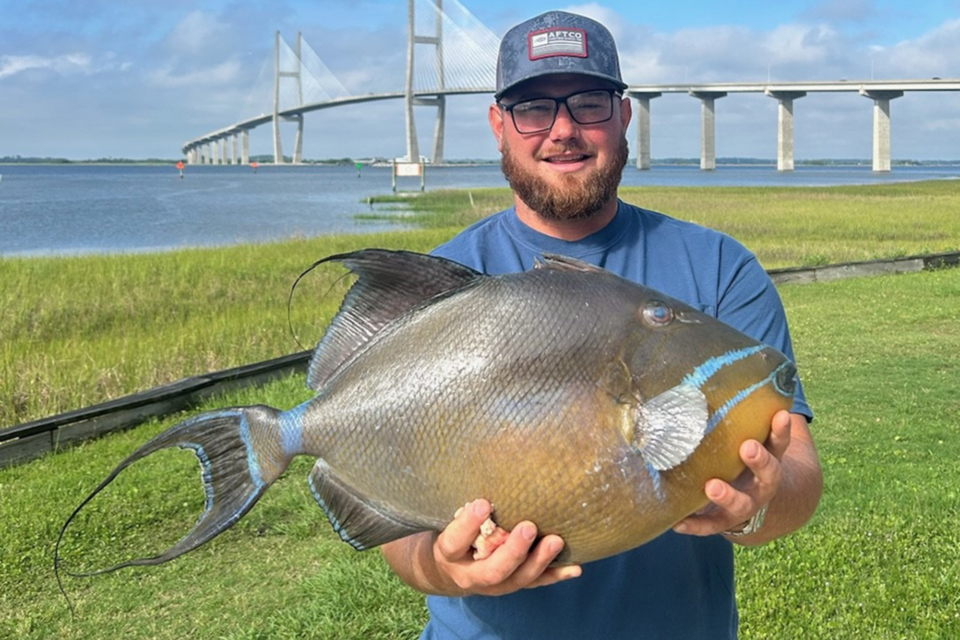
449	52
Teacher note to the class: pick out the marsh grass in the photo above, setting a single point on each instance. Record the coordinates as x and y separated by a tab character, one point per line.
785	227
77	331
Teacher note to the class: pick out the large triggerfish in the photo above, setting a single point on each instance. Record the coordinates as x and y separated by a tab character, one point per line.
593	406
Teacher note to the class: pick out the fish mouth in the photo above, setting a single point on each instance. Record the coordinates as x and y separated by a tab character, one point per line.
785	379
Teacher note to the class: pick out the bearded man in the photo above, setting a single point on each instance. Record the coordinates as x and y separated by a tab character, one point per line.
560	120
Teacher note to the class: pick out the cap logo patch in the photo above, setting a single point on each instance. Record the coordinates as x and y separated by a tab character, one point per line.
557	42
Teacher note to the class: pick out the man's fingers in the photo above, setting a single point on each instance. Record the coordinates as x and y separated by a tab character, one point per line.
457	539
525	567
779	438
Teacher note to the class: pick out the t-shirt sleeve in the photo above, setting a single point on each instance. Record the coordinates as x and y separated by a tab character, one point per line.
750	303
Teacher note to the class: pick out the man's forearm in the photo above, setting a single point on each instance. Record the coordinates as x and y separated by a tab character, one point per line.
411	558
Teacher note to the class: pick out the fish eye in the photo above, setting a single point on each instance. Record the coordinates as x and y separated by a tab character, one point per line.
657	313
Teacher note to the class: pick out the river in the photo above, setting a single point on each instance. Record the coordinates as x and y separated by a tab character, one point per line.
76	209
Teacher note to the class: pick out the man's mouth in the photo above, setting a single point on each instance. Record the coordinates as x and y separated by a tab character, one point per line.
567	158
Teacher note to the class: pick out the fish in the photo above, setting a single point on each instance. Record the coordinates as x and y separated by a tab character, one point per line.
593	406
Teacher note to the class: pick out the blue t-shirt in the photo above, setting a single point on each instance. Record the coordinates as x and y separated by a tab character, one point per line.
676	586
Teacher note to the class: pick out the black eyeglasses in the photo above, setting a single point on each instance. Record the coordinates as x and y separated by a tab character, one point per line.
585	107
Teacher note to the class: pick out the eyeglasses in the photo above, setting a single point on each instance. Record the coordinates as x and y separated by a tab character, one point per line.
585	107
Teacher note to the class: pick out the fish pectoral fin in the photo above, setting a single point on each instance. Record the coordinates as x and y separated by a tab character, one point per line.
356	521
670	426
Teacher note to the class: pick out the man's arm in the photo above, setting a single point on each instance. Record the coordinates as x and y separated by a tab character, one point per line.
443	564
784	474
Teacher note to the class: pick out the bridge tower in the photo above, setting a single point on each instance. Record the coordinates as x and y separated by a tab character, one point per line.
296	75
440	101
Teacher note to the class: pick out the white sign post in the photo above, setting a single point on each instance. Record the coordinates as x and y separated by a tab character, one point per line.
408	170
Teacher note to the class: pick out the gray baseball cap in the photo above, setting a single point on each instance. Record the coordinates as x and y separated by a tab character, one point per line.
556	42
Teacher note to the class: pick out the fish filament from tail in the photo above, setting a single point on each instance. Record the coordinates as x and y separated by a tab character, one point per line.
236	469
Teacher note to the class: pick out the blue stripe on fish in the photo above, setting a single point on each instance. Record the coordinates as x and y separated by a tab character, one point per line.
252	463
729	405
705	371
337	525
291	430
206	473
657	483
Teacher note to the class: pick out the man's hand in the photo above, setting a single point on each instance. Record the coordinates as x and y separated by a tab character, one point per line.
732	504
444	563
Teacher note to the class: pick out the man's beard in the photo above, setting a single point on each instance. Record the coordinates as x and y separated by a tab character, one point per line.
576	198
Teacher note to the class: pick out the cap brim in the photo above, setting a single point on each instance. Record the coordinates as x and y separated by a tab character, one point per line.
619	84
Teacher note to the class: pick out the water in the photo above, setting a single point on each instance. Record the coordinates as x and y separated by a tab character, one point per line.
74	209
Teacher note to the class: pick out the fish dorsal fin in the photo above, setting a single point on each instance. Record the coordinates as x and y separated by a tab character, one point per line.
670	426
556	262
390	283
362	524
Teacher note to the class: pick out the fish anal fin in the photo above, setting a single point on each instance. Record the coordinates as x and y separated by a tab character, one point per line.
362	524
389	284
670	426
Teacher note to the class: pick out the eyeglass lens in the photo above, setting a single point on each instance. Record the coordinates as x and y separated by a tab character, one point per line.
588	107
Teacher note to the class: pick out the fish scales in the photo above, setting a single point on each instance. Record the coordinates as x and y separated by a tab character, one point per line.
507	383
566	395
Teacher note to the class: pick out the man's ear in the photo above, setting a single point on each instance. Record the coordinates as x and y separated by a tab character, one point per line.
495	115
626	112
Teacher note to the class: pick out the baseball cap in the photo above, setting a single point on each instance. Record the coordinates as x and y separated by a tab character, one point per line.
556	42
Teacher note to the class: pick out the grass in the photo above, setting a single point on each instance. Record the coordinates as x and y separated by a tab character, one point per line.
880	358
77	331
784	226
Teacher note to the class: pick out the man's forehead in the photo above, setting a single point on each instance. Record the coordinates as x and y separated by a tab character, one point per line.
555	85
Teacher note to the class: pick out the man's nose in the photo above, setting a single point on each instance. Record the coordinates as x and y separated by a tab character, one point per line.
564	126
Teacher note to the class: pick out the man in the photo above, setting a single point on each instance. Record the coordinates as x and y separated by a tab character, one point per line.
560	120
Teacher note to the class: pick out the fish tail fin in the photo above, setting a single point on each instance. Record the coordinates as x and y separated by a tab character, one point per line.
241	452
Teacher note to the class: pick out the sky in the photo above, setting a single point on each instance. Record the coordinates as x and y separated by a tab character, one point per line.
86	79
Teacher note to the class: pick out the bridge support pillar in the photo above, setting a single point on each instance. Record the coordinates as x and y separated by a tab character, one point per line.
298	141
708	128
438	130
785	126
223	151
881	126
277	145
245	147
233	148
643	128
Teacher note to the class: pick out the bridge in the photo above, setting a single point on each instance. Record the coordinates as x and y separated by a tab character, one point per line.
463	61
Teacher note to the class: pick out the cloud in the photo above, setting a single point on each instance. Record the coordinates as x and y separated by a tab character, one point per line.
195	33
936	53
72	63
